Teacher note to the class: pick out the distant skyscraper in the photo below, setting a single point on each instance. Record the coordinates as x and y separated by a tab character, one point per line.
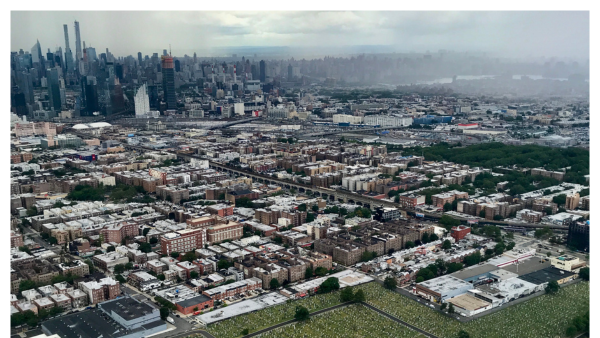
50	58
91	95
168	77
140	59
290	72
177	66
165	52
195	58
36	52
91	54
54	89
26	86
78	50
142	101
263	71
68	64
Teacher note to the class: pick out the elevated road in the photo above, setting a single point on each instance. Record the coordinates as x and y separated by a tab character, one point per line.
340	195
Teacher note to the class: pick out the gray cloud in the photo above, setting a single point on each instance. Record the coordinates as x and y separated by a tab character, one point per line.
516	34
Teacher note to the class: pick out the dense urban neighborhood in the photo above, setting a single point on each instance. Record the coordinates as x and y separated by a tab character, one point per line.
240	196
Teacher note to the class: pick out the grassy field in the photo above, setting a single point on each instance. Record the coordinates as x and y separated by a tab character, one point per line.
270	316
543	317
351	321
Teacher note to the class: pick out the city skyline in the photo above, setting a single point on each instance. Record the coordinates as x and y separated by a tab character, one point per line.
527	34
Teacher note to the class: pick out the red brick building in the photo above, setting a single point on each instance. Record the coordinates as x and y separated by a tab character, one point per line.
200	303
183	240
459	232
116	232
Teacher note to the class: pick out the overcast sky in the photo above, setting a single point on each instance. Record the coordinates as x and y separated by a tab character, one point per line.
517	34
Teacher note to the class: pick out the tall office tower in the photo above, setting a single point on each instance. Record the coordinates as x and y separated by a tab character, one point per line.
177	66
195	58
58	57
140	59
50	59
54	89
142	101
36	52
165	52
91	54
168	77
290	72
68	64
263	71
119	71
153	97
78	51
26	86
116	97
91	95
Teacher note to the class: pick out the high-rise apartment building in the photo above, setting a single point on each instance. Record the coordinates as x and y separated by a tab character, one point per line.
78	50
168	77
142	102
54	90
263	71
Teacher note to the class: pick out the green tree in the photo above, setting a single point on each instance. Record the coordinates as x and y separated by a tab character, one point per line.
26	284
120	279
560	199
189	257
552	287
482	213
164	313
193	274
175	254
463	334
146	247
274	283
310	217
409	244
584	273
446	245
90	264
346	295
329	285
223	264
320	271
119	269
315	208
443	306
309	272
390	283
153	240
301	314
420	279
447	206
425	238
433	238
245	331
451	308
359	296
128	266
302	207
161	277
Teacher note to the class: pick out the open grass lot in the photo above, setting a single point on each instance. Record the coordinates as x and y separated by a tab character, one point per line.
270	316
543	317
351	321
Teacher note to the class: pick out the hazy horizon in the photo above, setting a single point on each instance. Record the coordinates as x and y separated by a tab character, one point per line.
521	35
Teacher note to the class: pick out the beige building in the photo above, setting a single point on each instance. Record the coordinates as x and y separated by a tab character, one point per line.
567	263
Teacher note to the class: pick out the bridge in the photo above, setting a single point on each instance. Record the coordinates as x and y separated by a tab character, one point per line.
338	195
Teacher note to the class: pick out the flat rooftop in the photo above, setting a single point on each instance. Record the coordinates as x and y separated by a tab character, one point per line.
474	271
193	301
546	275
127	308
527	266
468	302
92	324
